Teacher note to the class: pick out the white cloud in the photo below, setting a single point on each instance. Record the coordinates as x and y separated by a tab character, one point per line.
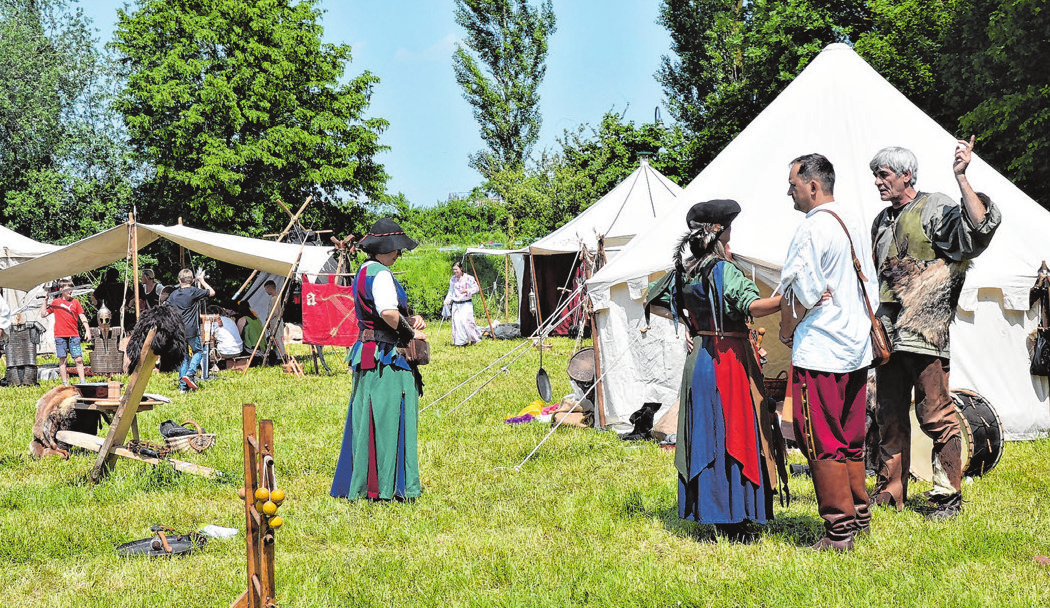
439	51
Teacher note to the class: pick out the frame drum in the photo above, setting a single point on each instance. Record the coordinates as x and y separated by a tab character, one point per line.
982	442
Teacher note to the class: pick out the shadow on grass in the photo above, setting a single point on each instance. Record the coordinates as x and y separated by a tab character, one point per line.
798	530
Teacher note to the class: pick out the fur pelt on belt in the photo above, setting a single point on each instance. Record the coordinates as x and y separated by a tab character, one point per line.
928	293
54	413
169	342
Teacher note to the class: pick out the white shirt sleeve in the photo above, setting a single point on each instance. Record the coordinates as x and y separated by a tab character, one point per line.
5	315
383	291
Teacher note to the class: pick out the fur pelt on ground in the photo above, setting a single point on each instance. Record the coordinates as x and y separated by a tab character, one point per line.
928	293
54	412
169	342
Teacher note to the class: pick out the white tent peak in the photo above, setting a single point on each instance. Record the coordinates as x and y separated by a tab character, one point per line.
634	203
839	106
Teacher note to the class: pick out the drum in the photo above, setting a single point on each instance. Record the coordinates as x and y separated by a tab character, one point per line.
982	439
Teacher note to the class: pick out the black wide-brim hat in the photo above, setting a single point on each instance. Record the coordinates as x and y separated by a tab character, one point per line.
719	211
385	236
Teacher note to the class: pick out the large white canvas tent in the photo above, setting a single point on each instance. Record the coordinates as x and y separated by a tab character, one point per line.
840	107
628	209
16	249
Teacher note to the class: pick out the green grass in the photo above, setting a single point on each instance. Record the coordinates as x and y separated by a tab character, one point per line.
589	520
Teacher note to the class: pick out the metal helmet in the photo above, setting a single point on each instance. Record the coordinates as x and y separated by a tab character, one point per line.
104	315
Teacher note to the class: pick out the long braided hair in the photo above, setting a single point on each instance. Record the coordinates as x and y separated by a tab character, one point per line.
703	243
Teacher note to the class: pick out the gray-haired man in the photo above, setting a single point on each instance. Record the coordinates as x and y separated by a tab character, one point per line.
922	244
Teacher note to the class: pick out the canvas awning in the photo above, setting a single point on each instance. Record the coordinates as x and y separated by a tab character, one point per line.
111	245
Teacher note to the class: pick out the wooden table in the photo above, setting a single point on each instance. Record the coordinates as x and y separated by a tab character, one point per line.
109	403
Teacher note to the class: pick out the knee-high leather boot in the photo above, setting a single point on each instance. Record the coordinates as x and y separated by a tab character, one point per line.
855	469
835	504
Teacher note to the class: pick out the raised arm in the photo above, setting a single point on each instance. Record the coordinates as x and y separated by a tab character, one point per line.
975	208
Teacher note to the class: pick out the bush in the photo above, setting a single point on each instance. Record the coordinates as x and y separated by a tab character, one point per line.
425	272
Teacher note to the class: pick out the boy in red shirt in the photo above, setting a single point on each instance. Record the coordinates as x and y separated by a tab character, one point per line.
67	338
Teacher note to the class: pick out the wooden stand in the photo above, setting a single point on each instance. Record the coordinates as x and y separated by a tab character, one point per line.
258	472
111	447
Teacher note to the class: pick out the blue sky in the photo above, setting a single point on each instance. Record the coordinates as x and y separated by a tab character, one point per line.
602	57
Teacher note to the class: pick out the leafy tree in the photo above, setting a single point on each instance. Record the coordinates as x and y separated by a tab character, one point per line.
236	103
65	171
500	71
731	58
1012	119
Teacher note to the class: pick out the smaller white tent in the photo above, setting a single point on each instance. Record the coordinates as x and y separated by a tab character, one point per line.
16	249
626	210
842	108
630	208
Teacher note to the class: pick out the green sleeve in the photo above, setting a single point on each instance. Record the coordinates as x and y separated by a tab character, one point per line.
659	292
740	292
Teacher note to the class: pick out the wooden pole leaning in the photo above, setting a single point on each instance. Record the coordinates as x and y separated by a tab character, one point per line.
280	237
492	331
599	392
259	536
124	417
280	294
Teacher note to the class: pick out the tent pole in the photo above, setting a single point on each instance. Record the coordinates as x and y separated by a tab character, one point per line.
280	238
596	341
506	289
535	293
135	262
492	331
182	252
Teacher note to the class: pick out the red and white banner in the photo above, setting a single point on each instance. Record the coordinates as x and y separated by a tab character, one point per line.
328	315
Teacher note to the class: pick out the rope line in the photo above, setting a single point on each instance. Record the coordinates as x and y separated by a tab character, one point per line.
558	424
481	371
505	369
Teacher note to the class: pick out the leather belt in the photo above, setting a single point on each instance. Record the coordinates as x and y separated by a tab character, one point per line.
378	335
725	334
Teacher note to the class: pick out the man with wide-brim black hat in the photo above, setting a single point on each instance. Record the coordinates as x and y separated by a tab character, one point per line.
380	455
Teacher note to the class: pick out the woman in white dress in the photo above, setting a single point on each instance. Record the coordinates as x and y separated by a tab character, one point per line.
461	290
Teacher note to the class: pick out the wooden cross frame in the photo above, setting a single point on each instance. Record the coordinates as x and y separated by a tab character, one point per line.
258	472
112	446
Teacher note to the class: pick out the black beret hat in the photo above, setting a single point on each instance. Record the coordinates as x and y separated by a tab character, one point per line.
385	236
719	211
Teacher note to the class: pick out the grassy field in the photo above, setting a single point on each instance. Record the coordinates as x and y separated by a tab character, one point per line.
589	520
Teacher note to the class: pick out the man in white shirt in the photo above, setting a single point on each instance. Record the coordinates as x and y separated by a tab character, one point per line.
825	321
227	339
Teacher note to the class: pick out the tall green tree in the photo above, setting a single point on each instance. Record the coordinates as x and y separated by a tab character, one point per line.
236	103
500	70
1012	117
65	171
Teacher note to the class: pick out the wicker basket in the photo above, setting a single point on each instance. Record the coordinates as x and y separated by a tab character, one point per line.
776	388
197	443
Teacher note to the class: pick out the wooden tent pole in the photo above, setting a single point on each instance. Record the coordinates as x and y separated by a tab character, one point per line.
492	331
135	263
506	289
535	293
182	252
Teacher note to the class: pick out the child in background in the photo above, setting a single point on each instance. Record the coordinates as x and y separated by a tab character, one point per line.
67	338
